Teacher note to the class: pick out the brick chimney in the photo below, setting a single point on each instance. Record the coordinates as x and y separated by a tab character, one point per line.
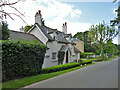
38	17
64	28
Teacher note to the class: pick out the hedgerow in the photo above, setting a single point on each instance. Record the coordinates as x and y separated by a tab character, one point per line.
21	59
85	62
59	67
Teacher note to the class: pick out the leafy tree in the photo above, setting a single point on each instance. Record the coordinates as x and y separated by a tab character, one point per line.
5	31
83	36
118	47
79	35
111	48
116	20
43	22
100	35
27	27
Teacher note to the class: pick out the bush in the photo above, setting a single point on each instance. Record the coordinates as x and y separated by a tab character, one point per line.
82	62
59	67
60	57
85	54
21	59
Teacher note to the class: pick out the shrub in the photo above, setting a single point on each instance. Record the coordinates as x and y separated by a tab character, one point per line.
85	62
61	57
20	59
5	31
85	54
59	67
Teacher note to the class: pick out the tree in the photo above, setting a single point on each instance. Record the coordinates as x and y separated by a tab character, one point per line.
118	47
27	28
79	35
5	31
83	36
111	48
43	22
4	13
116	20
100	35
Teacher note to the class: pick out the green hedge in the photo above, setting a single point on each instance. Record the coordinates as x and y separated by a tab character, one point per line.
59	67
21	59
85	62
84	55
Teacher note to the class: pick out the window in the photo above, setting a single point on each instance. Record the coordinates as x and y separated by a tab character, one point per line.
54	55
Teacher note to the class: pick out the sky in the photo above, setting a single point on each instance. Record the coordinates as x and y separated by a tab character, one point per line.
79	15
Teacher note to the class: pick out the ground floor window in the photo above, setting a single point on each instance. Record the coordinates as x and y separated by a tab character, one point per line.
54	55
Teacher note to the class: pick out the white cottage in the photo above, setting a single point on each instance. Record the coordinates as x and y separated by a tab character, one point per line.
56	41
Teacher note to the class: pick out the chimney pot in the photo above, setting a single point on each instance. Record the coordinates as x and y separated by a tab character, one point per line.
38	17
65	23
39	12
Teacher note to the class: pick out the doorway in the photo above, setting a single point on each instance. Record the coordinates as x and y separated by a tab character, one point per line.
67	57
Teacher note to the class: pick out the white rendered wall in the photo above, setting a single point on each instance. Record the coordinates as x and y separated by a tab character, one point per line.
39	34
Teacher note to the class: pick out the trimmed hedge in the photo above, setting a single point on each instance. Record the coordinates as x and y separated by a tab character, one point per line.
59	67
21	59
82	62
85	54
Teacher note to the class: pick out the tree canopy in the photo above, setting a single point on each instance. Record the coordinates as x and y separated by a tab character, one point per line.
101	35
5	31
27	27
83	36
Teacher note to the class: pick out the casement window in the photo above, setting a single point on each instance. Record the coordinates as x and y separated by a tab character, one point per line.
54	55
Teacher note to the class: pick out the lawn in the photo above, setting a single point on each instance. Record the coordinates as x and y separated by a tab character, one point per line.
88	59
14	84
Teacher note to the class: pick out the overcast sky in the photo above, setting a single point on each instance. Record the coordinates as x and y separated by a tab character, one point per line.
78	15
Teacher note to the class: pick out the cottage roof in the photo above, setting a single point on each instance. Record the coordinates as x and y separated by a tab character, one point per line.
61	38
64	48
16	35
67	35
47	31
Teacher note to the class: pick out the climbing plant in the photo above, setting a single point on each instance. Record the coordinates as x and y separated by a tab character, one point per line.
61	55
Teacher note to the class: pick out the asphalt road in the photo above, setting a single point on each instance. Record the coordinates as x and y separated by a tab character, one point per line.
99	75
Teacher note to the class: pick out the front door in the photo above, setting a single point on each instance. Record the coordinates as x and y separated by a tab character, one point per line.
67	57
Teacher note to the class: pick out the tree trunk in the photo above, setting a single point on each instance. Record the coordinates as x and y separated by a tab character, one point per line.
102	53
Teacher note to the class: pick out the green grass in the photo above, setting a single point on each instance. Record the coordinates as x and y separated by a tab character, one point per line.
88	59
33	79
100	60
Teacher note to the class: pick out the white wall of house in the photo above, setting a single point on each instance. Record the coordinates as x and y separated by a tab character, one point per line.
39	34
53	47
72	52
77	56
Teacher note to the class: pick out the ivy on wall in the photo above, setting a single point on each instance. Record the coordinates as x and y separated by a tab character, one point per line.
61	55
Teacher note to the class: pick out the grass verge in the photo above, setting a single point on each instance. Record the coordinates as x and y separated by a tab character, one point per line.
15	84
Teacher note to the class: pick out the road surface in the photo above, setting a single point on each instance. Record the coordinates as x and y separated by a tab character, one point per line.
99	75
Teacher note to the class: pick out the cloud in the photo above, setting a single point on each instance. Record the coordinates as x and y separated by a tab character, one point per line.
72	27
53	12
